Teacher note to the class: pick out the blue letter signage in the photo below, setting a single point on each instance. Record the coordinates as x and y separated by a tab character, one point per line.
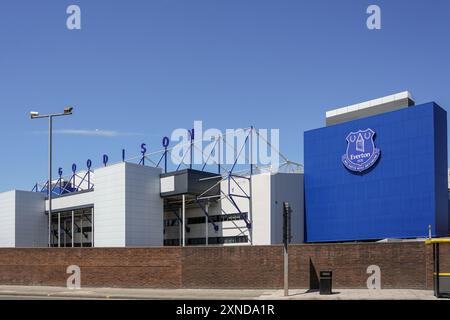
361	152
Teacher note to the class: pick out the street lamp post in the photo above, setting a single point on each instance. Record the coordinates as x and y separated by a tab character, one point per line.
36	115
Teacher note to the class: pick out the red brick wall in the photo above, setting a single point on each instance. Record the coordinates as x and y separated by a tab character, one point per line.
403	265
233	267
147	267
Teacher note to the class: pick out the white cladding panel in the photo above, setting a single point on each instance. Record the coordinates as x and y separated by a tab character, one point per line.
23	222
168	184
31	221
7	219
144	206
262	209
269	193
74	200
109	206
128	209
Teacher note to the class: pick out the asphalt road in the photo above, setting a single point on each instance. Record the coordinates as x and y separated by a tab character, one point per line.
14	297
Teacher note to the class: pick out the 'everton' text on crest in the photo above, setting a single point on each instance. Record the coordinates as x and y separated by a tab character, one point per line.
361	152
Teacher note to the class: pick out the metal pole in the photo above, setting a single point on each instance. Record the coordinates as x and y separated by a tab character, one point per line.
191	155
92	227
437	271
180	229
219	155
165	160
250	209
250	204
50	128
81	234
59	229
184	219
72	233
286	270
286	240
65	233
251	151
206	224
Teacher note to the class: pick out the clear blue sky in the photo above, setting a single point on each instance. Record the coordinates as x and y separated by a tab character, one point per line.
144	68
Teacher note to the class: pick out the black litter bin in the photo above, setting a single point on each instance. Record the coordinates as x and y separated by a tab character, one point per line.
326	280
443	290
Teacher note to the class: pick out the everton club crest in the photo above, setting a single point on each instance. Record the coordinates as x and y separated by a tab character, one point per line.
361	152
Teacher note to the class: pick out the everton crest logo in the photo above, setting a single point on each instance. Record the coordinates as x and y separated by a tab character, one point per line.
361	152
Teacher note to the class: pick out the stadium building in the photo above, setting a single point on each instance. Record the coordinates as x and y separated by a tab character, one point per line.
377	170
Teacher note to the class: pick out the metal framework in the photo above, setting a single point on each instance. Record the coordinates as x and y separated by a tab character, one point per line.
75	183
72	228
242	168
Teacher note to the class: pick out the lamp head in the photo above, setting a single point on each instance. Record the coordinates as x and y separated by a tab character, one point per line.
34	114
68	110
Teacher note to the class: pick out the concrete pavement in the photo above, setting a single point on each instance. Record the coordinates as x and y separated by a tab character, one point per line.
356	294
123	293
11	292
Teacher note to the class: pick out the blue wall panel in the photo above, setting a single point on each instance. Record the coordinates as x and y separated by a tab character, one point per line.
403	193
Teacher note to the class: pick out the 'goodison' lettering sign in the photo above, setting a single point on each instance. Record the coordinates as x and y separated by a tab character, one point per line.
361	151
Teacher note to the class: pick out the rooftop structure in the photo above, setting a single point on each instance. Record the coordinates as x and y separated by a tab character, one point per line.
369	108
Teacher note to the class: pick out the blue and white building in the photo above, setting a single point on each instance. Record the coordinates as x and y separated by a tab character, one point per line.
134	205
377	170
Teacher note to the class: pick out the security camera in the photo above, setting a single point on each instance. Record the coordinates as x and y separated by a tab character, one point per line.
34	114
68	110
